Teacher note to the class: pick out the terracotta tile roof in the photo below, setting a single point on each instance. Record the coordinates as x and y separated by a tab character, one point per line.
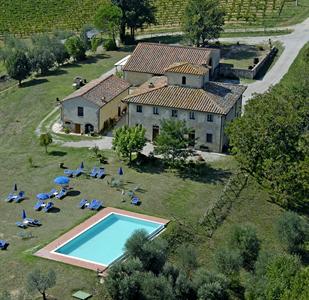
187	68
217	97
155	58
100	91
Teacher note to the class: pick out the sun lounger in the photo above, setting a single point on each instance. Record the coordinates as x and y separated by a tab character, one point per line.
77	172
62	194
3	244
39	205
101	173
10	197
20	196
94	172
21	224
68	173
48	206
52	193
135	201
32	222
95	204
83	203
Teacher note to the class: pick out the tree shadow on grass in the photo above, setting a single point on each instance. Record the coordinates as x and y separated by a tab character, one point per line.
57	153
202	172
73	193
149	165
34	82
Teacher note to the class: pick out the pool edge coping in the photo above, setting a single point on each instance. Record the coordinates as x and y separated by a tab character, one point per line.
47	252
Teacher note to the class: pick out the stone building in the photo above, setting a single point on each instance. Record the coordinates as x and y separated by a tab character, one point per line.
92	107
152	59
185	93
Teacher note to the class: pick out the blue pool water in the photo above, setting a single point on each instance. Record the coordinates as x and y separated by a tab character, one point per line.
104	242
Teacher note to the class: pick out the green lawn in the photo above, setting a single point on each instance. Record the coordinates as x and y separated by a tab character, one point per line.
163	193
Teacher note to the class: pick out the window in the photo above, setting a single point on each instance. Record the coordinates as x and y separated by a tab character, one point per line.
155	110
184	80
174	113
139	108
80	111
210	118
209	138
192	115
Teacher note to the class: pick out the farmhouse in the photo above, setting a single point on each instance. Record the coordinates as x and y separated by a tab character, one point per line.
95	105
185	93
152	59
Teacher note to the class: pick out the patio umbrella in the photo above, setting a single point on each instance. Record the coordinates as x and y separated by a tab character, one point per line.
62	180
23	215
120	171
82	165
42	196
15	187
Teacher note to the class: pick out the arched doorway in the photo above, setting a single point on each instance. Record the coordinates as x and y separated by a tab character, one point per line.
89	128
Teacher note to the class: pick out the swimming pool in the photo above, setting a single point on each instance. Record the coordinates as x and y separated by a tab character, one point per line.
103	242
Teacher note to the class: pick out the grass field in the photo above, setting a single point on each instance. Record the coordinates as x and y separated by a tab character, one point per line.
163	192
23	17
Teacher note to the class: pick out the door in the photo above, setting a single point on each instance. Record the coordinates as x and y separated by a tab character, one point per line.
119	111
191	138
77	128
155	132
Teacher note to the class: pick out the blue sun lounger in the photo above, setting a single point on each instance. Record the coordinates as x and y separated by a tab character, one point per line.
21	225
20	196
95	204
101	173
135	201
39	205
94	172
68	173
82	203
77	172
3	244
32	222
62	194
10	197
48	206
52	193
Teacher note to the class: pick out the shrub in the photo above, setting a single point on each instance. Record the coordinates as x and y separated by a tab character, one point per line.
110	45
228	261
67	130
292	231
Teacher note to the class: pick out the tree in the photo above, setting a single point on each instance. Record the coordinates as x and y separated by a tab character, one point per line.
41	281
128	140
108	19
18	66
292	231
84	37
45	140
271	142
187	258
75	48
59	51
135	14
228	261
184	288
173	141
203	20
41	60
244	239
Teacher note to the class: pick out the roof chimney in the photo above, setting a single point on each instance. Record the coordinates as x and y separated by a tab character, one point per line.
151	85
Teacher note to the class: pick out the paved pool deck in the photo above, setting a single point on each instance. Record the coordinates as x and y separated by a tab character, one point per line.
48	251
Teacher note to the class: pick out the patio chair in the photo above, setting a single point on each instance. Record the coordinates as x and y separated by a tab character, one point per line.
135	201
94	172
48	206
77	172
39	205
3	244
101	173
68	173
52	193
83	203
10	197
62	194
21	225
20	196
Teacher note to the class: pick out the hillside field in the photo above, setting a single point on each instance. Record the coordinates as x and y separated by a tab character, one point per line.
27	16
